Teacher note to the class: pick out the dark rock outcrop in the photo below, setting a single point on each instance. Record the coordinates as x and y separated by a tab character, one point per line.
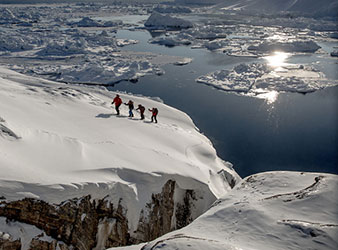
74	222
98	224
9	244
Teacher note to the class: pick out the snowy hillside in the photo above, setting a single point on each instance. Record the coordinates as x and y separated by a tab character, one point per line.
273	210
59	142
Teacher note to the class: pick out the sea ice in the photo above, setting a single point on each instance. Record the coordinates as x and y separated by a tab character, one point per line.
81	53
159	21
161	8
293	46
334	53
257	78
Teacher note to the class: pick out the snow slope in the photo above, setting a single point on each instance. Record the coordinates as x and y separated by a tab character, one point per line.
272	210
59	141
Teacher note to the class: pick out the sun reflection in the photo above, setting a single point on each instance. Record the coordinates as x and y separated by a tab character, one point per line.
269	97
277	59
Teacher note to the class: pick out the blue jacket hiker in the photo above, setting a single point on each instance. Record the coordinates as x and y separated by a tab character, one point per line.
131	107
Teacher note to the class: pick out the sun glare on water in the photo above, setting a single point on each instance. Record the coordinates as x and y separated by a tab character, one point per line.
277	59
269	97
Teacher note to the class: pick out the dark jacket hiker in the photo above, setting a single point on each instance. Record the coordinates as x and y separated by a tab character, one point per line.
154	112
141	109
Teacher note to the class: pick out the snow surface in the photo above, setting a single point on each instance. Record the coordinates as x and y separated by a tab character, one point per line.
59	141
272	210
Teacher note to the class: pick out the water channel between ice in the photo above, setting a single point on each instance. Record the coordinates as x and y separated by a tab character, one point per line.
293	132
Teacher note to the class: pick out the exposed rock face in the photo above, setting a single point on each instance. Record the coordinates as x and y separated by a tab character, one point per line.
74	222
10	244
156	218
98	224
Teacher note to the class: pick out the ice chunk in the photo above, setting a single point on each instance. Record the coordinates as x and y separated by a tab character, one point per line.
256	78
171	9
87	22
334	53
293	46
240	79
159	21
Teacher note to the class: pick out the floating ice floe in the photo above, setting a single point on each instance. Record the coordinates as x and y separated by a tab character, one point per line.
7	16
77	55
87	22
161	8
62	48
334	53
257	78
15	43
293	46
171	41
159	21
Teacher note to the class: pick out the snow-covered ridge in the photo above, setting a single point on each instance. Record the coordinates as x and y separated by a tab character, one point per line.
273	210
60	141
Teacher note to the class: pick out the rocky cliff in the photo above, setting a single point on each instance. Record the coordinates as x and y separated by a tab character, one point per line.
86	223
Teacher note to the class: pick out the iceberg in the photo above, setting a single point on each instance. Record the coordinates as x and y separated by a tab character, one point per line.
159	21
257	78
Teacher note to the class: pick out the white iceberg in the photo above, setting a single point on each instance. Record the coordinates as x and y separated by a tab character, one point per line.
257	78
293	46
161	8
334	53
159	21
240	79
87	22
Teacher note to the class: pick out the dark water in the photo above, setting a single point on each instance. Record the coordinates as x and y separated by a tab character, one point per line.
296	132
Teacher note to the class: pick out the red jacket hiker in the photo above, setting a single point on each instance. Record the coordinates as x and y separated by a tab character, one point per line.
117	100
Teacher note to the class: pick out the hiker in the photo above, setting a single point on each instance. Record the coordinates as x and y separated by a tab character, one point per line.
142	109
117	100
130	104
154	112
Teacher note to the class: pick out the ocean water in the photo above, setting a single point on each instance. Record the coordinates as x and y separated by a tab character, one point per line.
293	131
